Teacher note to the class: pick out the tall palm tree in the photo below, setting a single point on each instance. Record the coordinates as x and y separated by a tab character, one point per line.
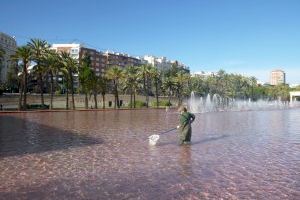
131	79
144	75
168	86
39	48
51	63
155	76
23	54
180	80
85	77
102	88
70	68
115	74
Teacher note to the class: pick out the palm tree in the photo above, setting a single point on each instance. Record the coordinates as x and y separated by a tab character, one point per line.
115	74
168	86
51	63
85	74
144	75
180	81
155	76
39	48
23	54
102	88
131	79
70	68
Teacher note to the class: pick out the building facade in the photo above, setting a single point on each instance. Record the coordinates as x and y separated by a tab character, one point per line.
74	51
162	63
120	59
277	77
9	45
98	60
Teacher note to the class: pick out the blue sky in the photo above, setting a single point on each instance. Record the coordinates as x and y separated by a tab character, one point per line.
251	37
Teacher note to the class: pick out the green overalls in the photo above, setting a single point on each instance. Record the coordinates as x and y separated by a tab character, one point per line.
185	129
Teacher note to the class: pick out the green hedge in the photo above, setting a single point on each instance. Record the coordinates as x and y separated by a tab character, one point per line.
138	104
37	106
161	103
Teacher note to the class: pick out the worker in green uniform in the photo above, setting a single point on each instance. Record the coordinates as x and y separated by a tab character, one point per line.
185	127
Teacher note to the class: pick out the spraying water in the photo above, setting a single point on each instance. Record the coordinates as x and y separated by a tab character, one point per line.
216	103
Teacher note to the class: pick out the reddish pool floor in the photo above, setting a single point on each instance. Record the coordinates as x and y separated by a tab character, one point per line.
105	155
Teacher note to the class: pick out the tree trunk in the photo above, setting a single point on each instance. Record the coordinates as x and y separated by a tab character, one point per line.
95	99
156	94
145	91
67	100
51	91
117	97
131	95
134	99
72	90
169	97
41	88
20	98
103	100
86	101
25	89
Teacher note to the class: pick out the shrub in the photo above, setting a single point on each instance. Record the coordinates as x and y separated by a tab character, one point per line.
37	106
163	103
138	104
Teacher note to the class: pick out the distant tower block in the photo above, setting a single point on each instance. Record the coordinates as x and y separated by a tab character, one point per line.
277	77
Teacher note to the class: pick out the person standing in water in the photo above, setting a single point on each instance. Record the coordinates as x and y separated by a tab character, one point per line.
185	127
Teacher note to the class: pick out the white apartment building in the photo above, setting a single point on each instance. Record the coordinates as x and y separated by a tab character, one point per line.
161	63
277	77
203	74
73	49
9	45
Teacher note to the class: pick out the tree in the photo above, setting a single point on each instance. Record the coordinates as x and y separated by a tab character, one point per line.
23	54
130	81
155	75
102	88
85	75
180	82
38	49
51	65
144	74
168	86
115	74
70	67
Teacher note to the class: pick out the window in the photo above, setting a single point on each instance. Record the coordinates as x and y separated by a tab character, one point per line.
74	50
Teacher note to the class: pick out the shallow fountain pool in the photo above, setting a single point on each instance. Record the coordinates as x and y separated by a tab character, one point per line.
105	155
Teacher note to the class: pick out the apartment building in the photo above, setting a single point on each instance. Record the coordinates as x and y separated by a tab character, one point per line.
162	63
98	60
120	59
277	77
9	45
